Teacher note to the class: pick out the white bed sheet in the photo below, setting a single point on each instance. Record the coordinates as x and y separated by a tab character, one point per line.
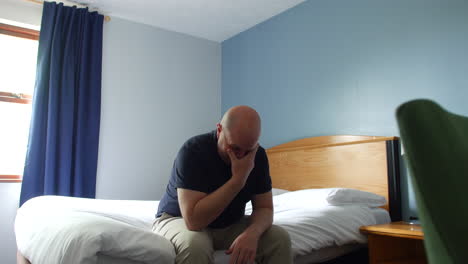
317	256
313	224
304	221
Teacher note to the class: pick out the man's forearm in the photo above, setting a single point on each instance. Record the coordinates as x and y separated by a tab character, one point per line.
260	220
207	209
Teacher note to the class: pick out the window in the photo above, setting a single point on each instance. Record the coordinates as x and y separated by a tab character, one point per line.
18	53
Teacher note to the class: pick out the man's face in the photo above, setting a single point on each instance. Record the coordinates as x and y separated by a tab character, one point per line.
239	144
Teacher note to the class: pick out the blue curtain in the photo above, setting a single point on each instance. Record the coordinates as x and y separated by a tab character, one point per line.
64	135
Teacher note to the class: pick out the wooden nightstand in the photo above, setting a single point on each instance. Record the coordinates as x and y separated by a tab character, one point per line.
395	243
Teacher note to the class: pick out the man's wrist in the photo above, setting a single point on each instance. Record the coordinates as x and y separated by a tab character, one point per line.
253	232
236	184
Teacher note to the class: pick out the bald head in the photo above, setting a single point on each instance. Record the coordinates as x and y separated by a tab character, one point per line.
242	120
238	130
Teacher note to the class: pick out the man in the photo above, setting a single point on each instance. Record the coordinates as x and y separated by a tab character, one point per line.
213	177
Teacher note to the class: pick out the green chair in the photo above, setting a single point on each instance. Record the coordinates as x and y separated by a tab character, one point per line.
436	149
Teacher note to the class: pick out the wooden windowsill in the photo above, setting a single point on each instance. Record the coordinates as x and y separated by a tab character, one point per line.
10	178
15	98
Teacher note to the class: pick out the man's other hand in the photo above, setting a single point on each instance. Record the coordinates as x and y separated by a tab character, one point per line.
243	250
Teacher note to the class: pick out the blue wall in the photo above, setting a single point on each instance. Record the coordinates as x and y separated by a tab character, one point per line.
342	67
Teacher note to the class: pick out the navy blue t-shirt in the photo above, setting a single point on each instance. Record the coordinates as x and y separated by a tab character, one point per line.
199	167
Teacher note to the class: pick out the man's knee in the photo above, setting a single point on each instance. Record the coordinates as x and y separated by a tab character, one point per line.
274	246
275	239
194	247
277	233
196	243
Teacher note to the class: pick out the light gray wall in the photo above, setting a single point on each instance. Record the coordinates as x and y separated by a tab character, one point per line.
9	197
158	89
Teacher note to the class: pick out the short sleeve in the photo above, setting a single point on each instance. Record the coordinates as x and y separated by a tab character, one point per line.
262	171
189	171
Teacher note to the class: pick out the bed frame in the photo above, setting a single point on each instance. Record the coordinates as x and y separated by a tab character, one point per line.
366	163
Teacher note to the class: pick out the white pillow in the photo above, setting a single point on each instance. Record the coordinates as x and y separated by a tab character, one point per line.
344	196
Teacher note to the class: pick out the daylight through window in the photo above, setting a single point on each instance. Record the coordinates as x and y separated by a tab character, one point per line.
18	55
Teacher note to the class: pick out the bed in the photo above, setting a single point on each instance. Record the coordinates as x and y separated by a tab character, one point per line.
304	173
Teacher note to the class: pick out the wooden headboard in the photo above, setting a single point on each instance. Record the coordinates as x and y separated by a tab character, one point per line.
366	163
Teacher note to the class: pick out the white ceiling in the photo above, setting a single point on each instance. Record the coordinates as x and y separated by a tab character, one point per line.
215	20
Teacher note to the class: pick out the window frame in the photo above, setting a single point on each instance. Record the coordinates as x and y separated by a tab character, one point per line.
8	97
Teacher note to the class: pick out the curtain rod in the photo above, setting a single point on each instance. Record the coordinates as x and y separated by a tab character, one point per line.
41	2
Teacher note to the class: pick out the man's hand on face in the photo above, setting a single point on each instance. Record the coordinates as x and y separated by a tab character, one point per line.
242	167
243	250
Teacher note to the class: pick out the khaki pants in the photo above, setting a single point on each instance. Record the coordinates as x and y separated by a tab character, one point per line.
197	247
